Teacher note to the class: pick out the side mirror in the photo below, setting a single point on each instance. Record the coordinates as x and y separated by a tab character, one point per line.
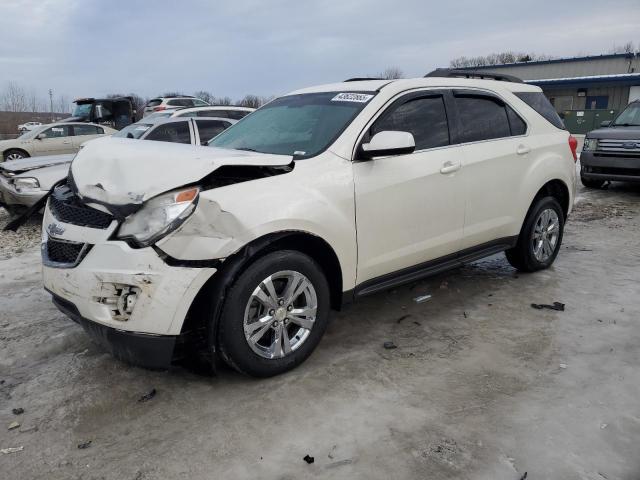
40	136
606	123
388	143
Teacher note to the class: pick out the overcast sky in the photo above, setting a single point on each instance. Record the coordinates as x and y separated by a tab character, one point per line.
236	47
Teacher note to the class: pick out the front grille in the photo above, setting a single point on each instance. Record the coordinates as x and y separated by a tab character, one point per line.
66	207
620	148
613	171
64	253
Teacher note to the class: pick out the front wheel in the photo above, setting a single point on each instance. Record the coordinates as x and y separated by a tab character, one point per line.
274	315
540	237
15	154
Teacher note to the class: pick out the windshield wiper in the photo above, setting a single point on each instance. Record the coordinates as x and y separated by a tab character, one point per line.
626	124
246	149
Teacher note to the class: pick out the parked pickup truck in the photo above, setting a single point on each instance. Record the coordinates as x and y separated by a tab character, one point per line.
613	152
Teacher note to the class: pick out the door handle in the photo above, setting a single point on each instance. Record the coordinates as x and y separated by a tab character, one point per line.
450	167
522	150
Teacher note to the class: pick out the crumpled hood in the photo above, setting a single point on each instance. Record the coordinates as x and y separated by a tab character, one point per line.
125	172
31	163
616	133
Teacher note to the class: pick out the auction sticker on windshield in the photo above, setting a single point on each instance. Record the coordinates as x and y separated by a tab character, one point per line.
352	97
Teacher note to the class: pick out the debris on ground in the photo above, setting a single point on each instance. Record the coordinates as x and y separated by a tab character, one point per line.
309	459
147	396
18	411
340	463
603	426
13	426
422	298
389	345
563	365
333	449
417	323
556	306
32	428
465	314
524	477
11	449
403	317
84	445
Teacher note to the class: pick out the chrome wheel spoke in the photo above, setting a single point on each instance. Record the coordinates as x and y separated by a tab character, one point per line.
286	342
303	317
255	331
545	235
277	342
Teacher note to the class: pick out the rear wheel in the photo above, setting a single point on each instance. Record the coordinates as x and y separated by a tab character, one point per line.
15	154
274	315
540	237
589	183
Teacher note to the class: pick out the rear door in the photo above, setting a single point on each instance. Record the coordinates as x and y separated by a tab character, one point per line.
57	141
83	133
207	128
495	154
410	207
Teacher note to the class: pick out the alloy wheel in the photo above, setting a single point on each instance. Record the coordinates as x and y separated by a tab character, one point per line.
545	235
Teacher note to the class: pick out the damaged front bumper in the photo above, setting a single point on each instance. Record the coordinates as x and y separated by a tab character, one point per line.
11	197
128	299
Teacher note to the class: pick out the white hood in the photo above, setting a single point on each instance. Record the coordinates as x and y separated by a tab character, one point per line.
120	171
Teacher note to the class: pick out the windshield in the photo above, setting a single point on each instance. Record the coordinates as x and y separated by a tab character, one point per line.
135	130
82	110
301	125
630	116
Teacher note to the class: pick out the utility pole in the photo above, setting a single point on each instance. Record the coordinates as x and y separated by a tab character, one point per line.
51	103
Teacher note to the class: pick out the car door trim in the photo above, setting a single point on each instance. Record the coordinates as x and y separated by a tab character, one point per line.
433	267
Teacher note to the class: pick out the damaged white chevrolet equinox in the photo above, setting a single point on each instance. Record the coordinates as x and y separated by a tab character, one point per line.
240	249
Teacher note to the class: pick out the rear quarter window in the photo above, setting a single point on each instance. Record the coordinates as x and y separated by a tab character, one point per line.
541	104
154	103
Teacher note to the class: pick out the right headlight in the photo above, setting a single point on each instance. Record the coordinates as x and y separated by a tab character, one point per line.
159	216
26	184
590	144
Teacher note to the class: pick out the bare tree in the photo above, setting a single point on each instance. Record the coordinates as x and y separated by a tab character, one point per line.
34	102
252	101
497	59
14	98
221	101
62	104
204	95
628	47
391	73
172	94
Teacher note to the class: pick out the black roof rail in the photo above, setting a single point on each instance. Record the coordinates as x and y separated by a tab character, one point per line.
459	73
361	79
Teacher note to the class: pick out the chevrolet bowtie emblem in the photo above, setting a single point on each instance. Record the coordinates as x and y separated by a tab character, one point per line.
55	229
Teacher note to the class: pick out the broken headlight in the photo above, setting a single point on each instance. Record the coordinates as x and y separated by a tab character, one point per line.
26	184
159	216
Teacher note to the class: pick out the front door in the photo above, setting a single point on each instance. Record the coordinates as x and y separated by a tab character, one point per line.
410	207
56	141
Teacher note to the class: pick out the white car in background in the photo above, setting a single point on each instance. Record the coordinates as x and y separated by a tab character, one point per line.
24	182
223	111
160	104
25	127
320	197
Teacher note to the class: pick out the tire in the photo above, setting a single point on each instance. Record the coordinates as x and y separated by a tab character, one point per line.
591	183
262	358
526	256
15	154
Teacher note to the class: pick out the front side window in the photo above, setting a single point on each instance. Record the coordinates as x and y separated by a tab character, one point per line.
425	118
58	131
85	130
174	132
630	116
135	130
302	125
482	118
210	128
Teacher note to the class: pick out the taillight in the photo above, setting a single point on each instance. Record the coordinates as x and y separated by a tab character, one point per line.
573	145
162	107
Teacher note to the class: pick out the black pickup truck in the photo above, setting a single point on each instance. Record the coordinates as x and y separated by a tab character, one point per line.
612	153
114	112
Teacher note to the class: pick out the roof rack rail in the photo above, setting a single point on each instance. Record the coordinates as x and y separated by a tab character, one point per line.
452	72
361	79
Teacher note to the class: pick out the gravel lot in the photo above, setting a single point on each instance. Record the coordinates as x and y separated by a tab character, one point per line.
481	386
15	243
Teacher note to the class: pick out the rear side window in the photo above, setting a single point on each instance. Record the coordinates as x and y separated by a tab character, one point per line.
210	128
174	132
518	126
483	118
180	102
425	118
214	113
237	114
542	105
154	103
86	130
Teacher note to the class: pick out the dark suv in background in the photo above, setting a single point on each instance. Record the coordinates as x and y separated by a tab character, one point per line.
612	153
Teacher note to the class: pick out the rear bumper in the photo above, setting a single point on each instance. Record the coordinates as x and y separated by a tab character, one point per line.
609	167
140	349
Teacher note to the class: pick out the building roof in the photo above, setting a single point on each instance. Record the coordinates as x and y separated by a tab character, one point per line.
555	60
625	78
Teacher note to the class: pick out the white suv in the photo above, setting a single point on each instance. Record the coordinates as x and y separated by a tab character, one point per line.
322	196
171	103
